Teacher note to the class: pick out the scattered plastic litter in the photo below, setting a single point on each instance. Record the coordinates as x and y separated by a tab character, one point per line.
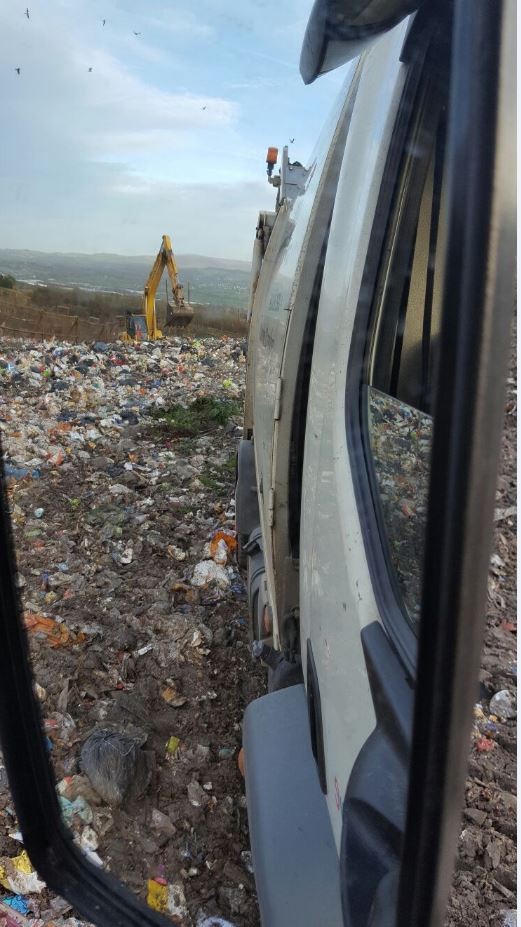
204	921
40	692
89	839
196	794
55	633
225	536
111	512
79	807
172	745
19	473
73	787
157	895
18	875
17	903
207	571
503	705
168	898
171	697
60	727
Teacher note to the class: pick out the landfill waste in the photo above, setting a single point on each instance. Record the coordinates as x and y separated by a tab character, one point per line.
11	471
73	787
503	704
77	807
172	744
157	894
60	728
18	875
196	794
204	921
208	571
55	633
221	546
115	765
121	463
17	903
166	898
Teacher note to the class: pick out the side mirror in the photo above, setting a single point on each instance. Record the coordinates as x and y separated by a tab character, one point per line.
340	30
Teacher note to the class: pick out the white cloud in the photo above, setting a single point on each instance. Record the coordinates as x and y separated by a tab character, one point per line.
152	139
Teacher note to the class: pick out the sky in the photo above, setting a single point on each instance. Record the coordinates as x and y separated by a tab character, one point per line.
166	134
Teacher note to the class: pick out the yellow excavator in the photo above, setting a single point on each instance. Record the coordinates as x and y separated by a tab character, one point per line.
143	326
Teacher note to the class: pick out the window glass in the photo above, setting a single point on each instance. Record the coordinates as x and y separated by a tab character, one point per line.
404	346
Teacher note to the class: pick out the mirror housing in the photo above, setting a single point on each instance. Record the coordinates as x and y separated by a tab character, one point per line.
340	30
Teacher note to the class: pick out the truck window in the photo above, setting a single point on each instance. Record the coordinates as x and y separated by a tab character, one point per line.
403	340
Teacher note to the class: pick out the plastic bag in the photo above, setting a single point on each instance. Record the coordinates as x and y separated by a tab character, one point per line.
115	765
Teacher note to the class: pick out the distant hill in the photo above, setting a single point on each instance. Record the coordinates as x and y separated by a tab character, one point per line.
214	281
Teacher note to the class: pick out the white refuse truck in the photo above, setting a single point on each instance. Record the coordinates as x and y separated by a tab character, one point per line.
381	296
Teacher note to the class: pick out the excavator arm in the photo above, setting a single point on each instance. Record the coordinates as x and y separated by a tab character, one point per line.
171	266
181	313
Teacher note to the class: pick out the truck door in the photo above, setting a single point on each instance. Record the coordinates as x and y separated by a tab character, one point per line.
398	483
284	288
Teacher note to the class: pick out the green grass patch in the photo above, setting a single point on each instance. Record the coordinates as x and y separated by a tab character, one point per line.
218	477
210	482
200	416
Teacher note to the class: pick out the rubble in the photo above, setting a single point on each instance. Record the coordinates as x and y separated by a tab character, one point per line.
120	462
120	466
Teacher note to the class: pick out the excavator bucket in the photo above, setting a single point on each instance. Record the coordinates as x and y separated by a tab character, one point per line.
178	315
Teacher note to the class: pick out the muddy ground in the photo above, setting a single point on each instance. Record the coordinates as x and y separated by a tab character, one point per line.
113	517
484	888
113	520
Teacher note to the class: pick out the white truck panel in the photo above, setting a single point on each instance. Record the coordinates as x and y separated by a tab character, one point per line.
278	282
337	598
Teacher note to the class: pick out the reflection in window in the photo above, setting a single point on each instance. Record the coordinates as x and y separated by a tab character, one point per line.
404	352
401	444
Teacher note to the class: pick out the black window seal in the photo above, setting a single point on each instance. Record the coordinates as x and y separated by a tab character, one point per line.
478	300
383	576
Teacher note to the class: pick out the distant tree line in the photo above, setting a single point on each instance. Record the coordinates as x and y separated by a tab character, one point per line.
7	281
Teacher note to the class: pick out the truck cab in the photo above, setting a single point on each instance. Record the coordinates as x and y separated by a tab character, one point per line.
352	375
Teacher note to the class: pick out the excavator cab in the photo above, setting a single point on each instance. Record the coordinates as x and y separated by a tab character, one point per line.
136	327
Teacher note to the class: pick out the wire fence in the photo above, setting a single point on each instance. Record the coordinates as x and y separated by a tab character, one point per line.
19	320
42	324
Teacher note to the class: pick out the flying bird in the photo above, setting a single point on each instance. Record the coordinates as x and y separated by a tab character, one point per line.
203	107
103	21
17	70
291	141
137	33
90	69
27	12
